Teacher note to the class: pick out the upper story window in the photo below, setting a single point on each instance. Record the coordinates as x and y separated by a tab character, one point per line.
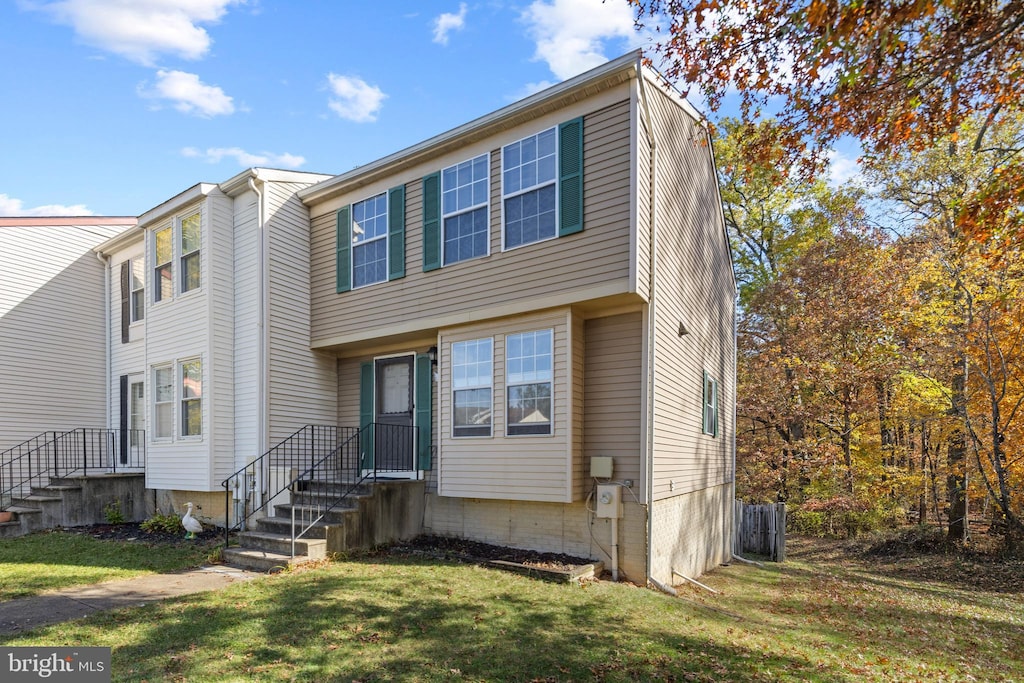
529	172
529	373
370	241
471	366
163	258
190	240
137	277
464	197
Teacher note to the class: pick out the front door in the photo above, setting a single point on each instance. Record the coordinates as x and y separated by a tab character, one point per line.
394	437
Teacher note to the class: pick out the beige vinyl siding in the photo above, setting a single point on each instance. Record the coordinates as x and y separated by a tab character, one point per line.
642	177
588	265
246	329
218	281
52	337
302	383
178	329
578	472
536	468
694	286
613	378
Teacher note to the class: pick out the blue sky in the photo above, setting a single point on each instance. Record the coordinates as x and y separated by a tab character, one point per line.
113	106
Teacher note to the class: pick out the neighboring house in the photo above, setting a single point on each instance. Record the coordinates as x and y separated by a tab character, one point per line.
540	287
209	332
53	362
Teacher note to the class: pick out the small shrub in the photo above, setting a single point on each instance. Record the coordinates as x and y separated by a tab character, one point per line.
112	512
161	523
840	517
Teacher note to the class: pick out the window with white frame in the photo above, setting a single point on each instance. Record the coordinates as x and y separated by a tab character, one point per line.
529	169
529	374
136	405
464	197
138	289
163	402
189	250
471	366
710	419
163	257
370	241
191	398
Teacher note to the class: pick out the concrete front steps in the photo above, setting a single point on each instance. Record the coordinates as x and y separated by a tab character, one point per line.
76	501
376	513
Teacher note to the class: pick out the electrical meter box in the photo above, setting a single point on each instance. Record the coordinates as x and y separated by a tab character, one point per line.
609	501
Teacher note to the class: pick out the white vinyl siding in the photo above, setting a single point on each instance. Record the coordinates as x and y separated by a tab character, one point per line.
52	337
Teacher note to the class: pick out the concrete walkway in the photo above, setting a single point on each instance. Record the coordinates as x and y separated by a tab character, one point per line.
73	603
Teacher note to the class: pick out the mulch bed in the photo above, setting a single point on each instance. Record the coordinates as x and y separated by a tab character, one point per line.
472	551
132	531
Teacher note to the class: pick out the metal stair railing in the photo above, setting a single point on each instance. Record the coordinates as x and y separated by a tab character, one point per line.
374	449
58	454
250	489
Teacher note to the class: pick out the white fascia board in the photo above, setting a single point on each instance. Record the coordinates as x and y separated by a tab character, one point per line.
176	203
121	240
239	183
629	64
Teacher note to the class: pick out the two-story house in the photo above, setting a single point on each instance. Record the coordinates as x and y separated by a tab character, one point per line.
543	286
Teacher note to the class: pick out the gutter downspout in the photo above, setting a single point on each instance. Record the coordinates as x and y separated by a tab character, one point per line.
105	260
261	326
652	317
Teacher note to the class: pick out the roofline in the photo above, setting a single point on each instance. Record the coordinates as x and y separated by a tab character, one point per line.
10	221
176	202
240	182
122	239
630	62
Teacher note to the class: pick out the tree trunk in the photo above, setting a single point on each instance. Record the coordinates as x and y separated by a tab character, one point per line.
956	479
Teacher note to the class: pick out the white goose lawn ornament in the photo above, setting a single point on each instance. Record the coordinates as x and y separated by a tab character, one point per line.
191	524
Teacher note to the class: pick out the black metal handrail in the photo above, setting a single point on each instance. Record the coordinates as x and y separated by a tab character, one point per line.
60	454
253	486
374	449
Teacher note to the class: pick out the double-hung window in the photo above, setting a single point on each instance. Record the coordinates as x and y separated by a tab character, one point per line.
710	401
529	373
191	398
163	275
464	195
529	172
472	363
190	240
138	289
370	241
163	402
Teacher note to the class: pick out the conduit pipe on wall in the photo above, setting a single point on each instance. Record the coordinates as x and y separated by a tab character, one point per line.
261	353
105	260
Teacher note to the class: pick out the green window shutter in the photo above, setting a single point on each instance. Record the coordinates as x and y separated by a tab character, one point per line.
344	246
366	414
396	232
570	177
432	222
424	417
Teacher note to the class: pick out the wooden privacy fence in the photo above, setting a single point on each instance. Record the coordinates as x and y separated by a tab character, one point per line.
760	529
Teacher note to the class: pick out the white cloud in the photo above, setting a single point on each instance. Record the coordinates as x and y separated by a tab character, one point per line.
189	94
9	206
447	22
140	30
215	155
355	99
570	34
843	169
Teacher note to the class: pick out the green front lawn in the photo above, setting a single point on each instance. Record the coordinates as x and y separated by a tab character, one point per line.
382	617
57	559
